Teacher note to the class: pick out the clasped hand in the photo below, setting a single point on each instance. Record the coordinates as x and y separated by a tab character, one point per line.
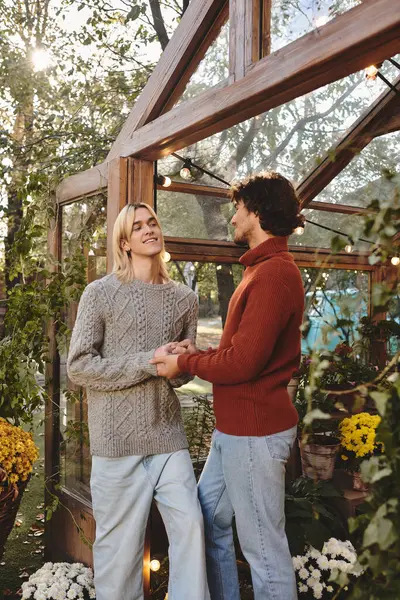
166	357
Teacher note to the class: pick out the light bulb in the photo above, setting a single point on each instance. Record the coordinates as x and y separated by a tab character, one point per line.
348	248
185	172
166	256
164	181
155	565
299	230
395	260
371	72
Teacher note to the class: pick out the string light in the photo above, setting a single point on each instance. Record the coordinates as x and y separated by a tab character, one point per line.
371	72
164	181
395	260
166	256
155	565
185	172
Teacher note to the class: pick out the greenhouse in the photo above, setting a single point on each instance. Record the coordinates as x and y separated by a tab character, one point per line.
310	90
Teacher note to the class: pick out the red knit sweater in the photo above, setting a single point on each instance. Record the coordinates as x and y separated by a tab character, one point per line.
260	346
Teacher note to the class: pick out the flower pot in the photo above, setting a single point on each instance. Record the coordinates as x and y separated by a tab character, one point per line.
318	456
10	499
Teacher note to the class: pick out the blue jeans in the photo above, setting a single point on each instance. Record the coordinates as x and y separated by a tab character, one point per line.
122	492
244	476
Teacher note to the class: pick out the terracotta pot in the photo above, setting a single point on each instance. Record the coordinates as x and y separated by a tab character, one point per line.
318	456
10	499
358	483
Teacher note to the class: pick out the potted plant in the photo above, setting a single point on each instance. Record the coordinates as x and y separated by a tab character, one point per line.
17	455
315	568
58	581
358	442
318	442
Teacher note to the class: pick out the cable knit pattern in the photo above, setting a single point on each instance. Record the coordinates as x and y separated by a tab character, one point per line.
117	330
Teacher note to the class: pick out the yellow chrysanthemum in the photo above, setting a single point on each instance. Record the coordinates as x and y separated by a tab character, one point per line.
358	433
17	452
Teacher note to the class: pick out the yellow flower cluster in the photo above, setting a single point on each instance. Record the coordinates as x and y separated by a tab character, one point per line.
17	452
358	433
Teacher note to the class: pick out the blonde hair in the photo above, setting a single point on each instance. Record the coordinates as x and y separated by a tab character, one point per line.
123	266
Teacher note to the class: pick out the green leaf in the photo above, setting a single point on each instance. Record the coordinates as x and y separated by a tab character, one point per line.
381	400
133	14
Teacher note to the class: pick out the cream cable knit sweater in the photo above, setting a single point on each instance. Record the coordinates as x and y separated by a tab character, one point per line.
118	328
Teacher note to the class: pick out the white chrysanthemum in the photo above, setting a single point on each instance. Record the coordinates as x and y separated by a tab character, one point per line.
317	590
314	553
329	589
298	562
27	591
316	574
323	562
303	588
304	573
40	595
71	594
92	593
312	582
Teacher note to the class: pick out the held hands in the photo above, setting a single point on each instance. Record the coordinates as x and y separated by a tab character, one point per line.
166	357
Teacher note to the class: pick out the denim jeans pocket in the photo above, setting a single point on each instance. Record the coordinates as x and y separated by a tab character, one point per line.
280	444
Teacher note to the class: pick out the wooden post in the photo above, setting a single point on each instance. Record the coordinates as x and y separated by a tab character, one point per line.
249	34
116	199
141	189
141	182
52	398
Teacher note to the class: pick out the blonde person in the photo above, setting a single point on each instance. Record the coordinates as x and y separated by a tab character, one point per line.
137	440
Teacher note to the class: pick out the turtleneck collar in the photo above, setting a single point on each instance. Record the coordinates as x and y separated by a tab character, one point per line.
264	251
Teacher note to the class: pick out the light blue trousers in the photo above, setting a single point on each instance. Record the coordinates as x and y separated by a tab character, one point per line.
245	477
122	492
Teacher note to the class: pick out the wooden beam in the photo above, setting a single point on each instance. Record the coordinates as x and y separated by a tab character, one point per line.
86	183
195	188
356	138
199	25
228	252
391	123
143	182
238	26
366	34
339	208
116	199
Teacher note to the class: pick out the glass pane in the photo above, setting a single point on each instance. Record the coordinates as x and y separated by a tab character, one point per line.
194	216
214	285
366	177
291	139
83	232
291	19
332	296
213	68
316	237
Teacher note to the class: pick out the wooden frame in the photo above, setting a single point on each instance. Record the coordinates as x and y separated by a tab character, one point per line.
176	65
250	25
370	124
366	34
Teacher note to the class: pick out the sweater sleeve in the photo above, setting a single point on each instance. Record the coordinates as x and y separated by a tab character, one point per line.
266	312
189	332
86	366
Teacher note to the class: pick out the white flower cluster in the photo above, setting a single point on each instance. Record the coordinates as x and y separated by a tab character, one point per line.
60	581
314	569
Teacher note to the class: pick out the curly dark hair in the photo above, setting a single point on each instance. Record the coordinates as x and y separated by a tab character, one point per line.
273	199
